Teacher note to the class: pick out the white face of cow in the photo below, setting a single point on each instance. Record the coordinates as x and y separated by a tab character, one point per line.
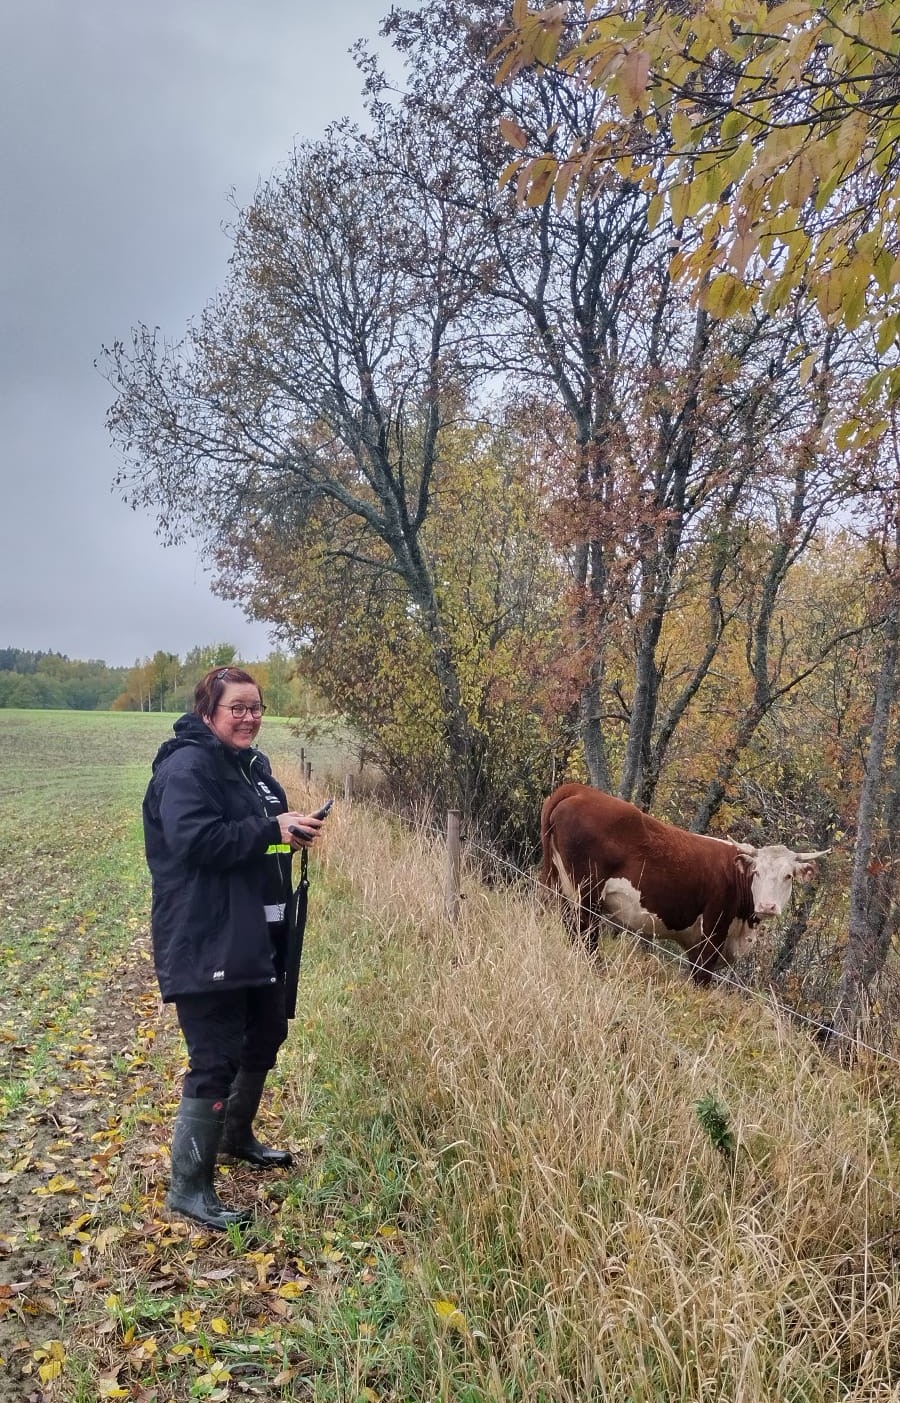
775	869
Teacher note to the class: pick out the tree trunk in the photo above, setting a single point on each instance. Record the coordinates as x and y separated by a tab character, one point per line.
592	737
717	787
792	933
870	883
674	460
643	709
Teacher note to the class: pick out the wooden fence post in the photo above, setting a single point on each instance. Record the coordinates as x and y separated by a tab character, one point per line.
348	787
451	894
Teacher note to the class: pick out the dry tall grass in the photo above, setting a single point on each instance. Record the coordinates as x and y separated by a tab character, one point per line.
598	1242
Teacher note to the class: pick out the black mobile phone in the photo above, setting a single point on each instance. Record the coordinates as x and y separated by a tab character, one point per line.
319	813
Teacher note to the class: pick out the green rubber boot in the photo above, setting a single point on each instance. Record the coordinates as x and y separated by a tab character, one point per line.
195	1144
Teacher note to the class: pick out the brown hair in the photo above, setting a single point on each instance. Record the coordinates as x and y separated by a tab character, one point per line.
208	691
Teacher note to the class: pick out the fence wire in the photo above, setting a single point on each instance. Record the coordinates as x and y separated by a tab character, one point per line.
725	977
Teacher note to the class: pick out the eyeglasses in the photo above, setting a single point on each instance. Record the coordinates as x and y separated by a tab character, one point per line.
239	710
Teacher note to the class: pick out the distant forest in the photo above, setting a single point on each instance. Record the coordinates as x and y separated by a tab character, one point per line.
164	682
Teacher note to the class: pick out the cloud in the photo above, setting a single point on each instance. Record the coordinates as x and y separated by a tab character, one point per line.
123	128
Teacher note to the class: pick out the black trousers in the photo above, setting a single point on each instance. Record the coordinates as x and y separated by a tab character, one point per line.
230	1030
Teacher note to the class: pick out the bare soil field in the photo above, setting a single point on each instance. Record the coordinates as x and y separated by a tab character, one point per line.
93	1271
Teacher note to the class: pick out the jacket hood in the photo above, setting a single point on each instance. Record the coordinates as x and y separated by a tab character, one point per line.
189	729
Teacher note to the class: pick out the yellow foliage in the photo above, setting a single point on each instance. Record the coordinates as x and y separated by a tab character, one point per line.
784	133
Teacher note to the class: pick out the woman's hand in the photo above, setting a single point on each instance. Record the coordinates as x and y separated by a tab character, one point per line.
309	824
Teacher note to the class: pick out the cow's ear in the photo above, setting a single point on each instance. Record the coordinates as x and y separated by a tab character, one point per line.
805	865
746	854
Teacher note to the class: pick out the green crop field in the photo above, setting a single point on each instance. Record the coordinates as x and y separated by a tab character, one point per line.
520	1176
73	887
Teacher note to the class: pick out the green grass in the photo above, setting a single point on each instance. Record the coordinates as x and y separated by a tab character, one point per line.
519	1176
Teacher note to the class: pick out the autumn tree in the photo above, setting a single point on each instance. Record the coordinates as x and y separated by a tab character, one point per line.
383	289
164	676
278	676
138	686
780	121
780	176
675	429
360	644
327	371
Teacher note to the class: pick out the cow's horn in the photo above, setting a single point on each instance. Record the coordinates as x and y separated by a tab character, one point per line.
811	857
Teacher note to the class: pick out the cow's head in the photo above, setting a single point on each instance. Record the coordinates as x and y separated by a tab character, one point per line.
773	871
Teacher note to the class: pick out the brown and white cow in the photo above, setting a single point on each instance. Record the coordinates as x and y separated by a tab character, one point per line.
608	858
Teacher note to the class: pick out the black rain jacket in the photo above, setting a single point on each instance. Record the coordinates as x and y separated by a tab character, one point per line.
206	835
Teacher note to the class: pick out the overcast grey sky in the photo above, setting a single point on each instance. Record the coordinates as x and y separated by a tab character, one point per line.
124	124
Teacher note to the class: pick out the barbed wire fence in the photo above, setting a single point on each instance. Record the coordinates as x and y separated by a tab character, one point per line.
456	849
455	865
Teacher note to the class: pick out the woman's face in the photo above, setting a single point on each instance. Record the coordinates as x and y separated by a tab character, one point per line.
236	732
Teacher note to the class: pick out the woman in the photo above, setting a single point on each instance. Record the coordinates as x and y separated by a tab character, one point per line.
219	840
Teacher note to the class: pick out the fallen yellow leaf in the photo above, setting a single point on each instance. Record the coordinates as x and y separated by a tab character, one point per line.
51	1349
262	1260
108	1386
76	1225
451	1316
108	1236
59	1184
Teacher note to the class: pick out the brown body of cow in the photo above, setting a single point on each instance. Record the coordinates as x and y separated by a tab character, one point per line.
609	859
